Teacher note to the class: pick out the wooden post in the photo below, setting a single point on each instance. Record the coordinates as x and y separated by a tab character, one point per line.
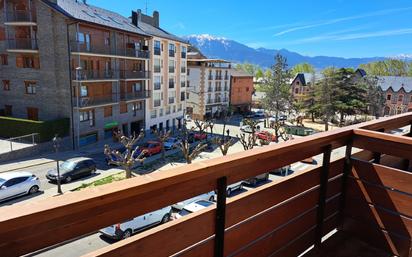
220	217
322	194
346	171
377	156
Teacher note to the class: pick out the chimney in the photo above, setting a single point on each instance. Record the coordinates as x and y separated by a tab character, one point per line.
134	18
156	19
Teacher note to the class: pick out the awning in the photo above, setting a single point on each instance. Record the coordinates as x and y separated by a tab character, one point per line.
111	124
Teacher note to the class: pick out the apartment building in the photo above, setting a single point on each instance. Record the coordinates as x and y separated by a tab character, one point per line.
241	90
397	93
208	86
300	85
66	58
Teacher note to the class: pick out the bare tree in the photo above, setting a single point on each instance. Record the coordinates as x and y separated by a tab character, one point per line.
162	137
201	125
249	141
184	145
130	156
225	141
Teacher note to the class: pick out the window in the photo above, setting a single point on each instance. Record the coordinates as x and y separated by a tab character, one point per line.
84	91
296	90
188	72
108	111
156	82
157	66
171	66
107	39
168	110
30	87
27	61
157	99
4	60
388	97
123	107
400	98
171	83
137	87
87	116
137	107
6	85
172	50
32	113
157	47
153	114
182	96
297	83
184	50
174	108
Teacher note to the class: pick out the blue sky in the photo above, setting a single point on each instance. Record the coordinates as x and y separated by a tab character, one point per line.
345	28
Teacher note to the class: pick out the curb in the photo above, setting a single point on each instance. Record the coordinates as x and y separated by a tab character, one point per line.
28	166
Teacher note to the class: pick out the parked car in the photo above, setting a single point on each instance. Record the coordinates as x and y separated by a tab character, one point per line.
193	207
171	143
280	118
253	181
151	148
73	169
208	196
260	114
14	184
128	228
113	157
234	187
267	136
246	129
249	115
284	171
200	136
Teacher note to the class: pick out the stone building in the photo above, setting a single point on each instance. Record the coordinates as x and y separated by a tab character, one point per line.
69	59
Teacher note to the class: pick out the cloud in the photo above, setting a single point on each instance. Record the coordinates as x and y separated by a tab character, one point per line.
338	20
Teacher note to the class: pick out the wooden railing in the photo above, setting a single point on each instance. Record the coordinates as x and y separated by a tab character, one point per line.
280	218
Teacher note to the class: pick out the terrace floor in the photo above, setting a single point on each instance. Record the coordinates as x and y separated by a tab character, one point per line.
342	245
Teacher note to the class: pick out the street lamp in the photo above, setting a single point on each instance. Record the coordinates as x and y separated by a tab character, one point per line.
56	145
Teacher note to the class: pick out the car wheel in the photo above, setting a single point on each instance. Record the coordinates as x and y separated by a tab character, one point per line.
68	179
127	234
229	192
254	182
165	218
33	190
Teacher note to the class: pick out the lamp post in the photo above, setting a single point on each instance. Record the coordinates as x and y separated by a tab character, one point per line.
78	94
56	145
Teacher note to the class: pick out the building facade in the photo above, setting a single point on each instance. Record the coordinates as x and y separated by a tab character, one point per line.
68	59
241	90
300	85
397	93
208	87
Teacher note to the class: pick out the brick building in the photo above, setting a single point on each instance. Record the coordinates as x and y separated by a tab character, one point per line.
241	90
398	94
66	58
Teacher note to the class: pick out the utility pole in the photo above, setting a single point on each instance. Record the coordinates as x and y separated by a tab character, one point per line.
56	145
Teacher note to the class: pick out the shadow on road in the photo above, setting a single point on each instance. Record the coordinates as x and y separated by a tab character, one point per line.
20	199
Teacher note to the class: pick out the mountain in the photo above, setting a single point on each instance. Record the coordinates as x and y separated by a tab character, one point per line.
219	47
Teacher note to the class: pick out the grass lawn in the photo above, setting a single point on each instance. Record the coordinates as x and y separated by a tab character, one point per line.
107	180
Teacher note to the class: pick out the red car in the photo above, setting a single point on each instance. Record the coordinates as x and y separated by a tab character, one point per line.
267	136
200	136
151	147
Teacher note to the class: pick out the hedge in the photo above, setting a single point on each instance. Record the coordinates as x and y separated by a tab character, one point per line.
15	127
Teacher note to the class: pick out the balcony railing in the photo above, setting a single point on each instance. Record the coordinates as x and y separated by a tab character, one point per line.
22	44
366	194
83	47
93	74
134	74
210	77
83	102
128	96
21	16
218	77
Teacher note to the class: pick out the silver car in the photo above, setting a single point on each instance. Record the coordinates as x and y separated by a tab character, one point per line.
14	184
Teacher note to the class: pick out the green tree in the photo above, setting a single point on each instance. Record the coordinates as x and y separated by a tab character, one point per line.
374	96
303	68
389	67
259	73
278	97
248	68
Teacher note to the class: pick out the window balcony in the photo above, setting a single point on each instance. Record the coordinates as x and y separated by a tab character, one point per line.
102	49
129	96
361	198
19	17
130	52
92	101
134	74
22	44
84	75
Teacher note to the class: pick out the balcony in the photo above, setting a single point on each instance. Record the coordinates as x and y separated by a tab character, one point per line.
364	195
84	102
134	74
131	52
24	44
129	96
101	49
218	77
218	100
20	17
85	75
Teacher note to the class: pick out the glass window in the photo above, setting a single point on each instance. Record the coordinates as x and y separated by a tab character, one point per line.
67	165
30	87
157	47
83	91
156	82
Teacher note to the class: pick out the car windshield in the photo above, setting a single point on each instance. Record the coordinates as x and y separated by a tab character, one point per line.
184	212
171	140
204	203
67	165
2	181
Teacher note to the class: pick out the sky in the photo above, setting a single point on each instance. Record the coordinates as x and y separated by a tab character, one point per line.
341	28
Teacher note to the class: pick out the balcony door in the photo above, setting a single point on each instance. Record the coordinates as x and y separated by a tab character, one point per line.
32	113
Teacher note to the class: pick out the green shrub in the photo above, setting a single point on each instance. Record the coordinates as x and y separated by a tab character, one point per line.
15	127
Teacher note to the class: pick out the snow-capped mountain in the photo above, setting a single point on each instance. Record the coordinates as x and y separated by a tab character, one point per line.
220	47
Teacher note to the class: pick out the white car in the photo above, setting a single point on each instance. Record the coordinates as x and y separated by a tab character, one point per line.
234	187
14	184
193	207
246	129
208	197
127	228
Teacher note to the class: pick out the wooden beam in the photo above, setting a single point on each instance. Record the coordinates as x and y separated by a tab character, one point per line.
395	145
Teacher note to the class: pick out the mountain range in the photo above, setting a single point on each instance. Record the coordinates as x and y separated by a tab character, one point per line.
219	47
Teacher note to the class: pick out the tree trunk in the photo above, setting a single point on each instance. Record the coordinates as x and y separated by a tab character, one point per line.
128	172
326	124
313	117
163	152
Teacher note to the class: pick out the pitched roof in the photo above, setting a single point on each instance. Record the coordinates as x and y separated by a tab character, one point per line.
93	14
239	73
395	82
308	77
